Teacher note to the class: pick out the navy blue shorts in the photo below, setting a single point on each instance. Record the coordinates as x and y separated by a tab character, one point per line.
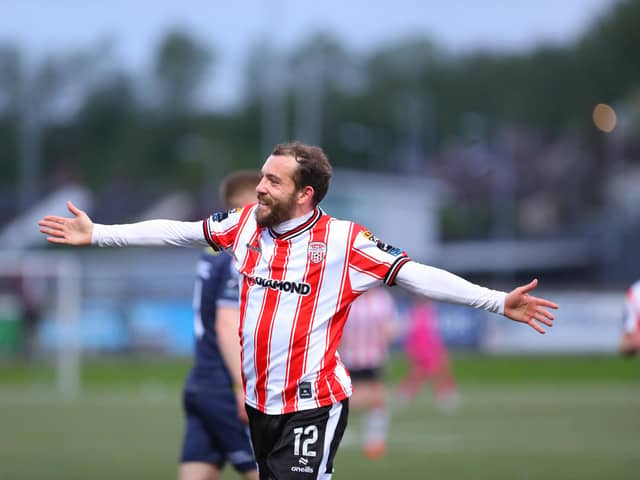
213	433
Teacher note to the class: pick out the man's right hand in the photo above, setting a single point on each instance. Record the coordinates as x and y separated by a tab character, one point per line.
68	231
242	411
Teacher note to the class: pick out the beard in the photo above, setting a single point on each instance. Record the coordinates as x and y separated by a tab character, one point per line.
277	211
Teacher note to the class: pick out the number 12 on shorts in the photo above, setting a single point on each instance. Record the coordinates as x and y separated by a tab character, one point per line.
311	436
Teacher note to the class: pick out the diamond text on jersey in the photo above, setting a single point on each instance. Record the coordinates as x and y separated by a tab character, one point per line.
301	288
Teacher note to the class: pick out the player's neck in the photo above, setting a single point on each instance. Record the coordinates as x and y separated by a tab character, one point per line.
292	223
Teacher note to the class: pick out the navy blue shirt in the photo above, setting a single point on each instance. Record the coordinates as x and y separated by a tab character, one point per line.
216	285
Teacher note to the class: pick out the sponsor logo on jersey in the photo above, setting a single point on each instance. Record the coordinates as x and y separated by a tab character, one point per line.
303	461
301	288
385	247
390	249
368	235
317	251
220	216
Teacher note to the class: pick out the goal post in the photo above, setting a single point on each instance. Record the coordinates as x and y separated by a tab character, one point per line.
58	276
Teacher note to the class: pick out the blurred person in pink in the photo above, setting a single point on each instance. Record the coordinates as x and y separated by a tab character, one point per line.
364	349
428	357
630	342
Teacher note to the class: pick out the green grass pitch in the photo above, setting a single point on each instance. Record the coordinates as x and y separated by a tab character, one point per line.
520	418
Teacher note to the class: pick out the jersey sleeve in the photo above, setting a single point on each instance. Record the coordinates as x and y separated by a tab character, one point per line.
372	261
221	229
150	233
229	286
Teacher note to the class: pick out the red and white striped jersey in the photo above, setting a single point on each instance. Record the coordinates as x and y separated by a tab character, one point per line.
632	309
295	294
367	332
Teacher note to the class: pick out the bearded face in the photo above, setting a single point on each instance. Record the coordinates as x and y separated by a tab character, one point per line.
277	192
273	211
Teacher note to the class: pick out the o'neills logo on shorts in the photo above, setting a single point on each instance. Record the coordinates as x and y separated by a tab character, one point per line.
306	469
300	288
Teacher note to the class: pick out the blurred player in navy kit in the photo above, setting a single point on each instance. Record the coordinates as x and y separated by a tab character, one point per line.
215	416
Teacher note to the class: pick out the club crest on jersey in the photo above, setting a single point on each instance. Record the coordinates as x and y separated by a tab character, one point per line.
317	251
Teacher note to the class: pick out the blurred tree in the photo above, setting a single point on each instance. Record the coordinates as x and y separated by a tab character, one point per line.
9	80
319	71
107	132
266	112
408	106
400	102
45	88
67	91
9	112
181	65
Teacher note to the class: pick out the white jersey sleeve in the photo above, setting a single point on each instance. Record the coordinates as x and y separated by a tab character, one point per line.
444	286
218	231
152	233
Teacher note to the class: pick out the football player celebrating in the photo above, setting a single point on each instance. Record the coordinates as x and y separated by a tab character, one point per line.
300	270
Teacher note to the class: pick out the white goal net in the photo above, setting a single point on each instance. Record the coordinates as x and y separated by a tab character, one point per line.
34	285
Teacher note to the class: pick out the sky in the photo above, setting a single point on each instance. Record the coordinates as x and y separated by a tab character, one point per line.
41	27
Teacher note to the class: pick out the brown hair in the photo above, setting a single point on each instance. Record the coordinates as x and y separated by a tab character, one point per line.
314	168
237	182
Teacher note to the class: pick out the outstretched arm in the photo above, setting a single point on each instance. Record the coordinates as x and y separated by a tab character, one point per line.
438	284
80	230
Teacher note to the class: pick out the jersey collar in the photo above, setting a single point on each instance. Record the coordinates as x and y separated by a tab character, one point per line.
303	227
